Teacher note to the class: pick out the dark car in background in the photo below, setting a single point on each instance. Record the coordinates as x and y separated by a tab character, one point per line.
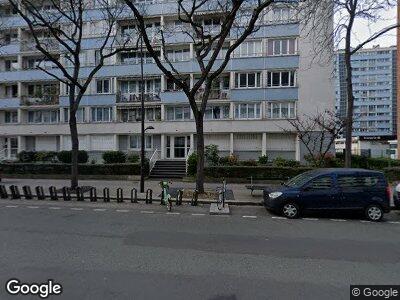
332	190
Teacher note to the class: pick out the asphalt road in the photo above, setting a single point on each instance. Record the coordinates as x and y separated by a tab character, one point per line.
125	251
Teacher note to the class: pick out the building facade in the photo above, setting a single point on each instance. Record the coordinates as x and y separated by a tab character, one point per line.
270	78
375	91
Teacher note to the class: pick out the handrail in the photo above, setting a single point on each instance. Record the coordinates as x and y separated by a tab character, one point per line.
153	159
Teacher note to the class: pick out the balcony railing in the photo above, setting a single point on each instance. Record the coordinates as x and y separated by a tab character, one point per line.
42	100
129	98
214	94
49	44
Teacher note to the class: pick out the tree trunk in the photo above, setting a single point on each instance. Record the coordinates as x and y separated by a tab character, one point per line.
75	149
200	153
350	108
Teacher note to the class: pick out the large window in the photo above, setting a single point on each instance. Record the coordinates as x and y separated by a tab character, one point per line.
217	112
135	114
245	111
43	116
248	80
132	57
249	48
178	55
80	115
135	142
281	14
281	110
178	113
281	78
133	86
101	114
103	86
11	117
286	46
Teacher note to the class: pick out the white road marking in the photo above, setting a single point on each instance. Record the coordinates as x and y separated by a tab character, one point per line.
173	213
99	209
338	220
310	219
279	218
122	210
250	217
54	207
11	206
393	222
147	212
198	214
32	206
76	208
365	221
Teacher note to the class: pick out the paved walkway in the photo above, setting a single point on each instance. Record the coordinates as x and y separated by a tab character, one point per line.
240	193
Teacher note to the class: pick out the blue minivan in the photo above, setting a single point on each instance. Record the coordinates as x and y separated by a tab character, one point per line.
332	189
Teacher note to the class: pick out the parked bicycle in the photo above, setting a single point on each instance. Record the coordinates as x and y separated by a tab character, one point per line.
165	195
221	195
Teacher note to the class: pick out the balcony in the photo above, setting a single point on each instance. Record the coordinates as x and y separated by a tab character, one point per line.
132	98
42	100
48	43
214	95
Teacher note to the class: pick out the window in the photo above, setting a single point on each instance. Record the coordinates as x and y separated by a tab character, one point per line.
321	183
43	116
248	111
101	114
11	117
178	55
287	46
281	79
217	112
80	115
103	86
249	48
135	142
151	86
280	15
248	80
281	110
347	181
178	113
172	86
135	114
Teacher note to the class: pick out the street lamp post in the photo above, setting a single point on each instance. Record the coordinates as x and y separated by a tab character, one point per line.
142	118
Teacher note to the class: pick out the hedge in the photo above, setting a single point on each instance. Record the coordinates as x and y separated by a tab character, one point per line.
259	172
84	169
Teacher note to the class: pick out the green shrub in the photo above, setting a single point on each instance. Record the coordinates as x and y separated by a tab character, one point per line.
230	160
65	157
248	163
114	157
282	162
192	164
45	156
26	156
263	160
211	155
132	158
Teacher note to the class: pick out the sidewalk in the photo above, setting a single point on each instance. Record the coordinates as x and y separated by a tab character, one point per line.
240	193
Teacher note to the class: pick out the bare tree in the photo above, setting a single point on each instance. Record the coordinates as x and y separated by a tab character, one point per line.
317	133
66	26
347	14
213	44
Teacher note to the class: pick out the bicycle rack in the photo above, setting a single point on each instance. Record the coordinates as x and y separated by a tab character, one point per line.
106	195
26	189
149	196
66	193
53	193
120	195
134	196
79	194
15	194
3	192
179	197
93	194
195	197
40	193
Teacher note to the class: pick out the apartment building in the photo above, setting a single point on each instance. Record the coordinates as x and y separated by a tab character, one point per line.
270	78
375	91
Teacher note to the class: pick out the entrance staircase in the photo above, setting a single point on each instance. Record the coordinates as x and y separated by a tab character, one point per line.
168	169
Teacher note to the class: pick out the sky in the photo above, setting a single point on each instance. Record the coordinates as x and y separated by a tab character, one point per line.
363	30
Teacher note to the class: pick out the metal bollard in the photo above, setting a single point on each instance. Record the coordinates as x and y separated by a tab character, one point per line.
149	196
27	192
53	193
79	194
40	193
134	196
195	197
179	197
120	195
66	192
15	194
93	194
106	195
3	192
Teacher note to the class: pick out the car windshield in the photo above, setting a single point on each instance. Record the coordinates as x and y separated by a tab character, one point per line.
299	180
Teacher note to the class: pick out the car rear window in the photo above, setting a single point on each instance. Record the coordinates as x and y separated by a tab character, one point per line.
347	181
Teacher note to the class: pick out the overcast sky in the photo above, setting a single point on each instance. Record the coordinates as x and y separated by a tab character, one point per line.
362	31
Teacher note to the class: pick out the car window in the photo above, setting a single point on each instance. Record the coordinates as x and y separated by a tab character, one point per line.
348	181
369	181
321	183
300	180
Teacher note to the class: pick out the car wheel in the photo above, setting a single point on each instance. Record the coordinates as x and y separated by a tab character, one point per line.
291	210
374	213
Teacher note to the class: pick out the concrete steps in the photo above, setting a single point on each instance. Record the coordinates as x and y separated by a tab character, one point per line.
169	169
